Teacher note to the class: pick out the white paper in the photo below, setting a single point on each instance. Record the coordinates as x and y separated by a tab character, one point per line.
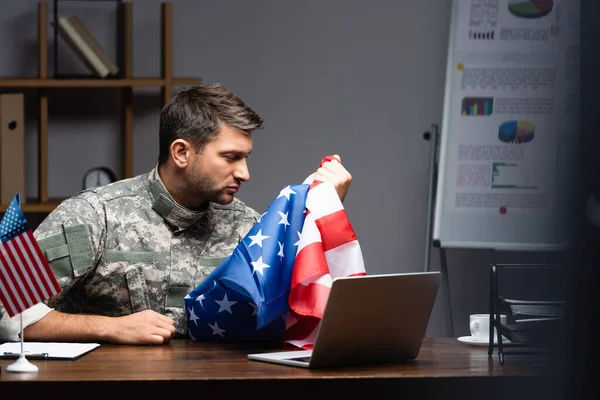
54	350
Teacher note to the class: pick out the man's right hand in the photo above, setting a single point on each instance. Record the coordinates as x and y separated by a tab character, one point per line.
144	327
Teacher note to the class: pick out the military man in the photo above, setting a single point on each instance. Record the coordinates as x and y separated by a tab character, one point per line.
127	253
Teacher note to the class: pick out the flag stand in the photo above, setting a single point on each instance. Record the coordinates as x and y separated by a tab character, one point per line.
22	364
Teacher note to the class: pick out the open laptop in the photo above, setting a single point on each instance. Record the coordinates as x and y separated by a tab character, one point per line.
368	319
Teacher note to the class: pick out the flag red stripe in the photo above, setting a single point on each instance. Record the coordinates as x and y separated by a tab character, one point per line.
43	291
40	266
15	291
335	230
16	277
41	260
17	270
309	300
310	262
5	294
23	270
36	285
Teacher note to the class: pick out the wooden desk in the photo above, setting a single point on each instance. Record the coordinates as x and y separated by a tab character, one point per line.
444	369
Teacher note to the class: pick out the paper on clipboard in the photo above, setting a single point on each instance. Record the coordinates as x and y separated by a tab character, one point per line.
50	350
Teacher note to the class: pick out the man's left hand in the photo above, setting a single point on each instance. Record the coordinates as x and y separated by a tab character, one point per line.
334	172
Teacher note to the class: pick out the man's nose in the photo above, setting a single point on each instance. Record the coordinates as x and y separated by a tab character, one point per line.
241	172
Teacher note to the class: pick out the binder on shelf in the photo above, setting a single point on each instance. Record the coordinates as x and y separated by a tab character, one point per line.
79	45
12	147
93	44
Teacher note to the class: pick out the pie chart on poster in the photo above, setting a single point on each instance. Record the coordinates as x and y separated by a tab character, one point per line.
516	132
530	8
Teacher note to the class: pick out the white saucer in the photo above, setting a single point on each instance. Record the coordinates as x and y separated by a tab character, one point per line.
481	342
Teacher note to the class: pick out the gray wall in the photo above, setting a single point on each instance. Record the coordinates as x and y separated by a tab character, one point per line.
363	80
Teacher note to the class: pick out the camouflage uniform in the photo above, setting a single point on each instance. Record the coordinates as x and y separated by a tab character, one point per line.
129	247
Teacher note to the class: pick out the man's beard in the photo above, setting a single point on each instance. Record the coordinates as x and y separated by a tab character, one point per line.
202	186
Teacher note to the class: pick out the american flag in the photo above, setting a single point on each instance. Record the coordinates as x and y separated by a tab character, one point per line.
25	276
275	284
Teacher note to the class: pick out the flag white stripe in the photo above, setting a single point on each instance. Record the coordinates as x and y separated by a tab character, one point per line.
18	282
323	200
27	272
345	259
31	271
310	233
310	339
10	306
41	267
324	280
11	285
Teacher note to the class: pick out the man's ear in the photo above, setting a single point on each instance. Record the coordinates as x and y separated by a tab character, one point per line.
181	152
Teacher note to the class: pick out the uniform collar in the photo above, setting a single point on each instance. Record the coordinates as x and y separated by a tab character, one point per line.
163	203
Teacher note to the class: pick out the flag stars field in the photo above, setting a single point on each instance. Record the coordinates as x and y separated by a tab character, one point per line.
193	317
257	239
299	238
284	219
254	309
216	330
200	298
259	266
286	192
225	304
262	215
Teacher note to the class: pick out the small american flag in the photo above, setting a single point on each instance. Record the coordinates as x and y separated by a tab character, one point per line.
276	283
25	276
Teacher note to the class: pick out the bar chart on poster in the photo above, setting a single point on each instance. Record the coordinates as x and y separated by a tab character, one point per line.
510	126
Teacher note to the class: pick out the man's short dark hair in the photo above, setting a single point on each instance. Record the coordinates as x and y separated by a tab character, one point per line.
196	114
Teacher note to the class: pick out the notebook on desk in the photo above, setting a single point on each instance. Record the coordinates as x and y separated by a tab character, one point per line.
368	319
46	350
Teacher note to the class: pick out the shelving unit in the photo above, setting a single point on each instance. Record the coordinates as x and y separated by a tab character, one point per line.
166	82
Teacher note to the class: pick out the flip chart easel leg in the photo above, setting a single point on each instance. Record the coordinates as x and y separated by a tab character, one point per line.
445	281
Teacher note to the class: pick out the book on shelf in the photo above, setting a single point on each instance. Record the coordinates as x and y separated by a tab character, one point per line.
76	41
93	44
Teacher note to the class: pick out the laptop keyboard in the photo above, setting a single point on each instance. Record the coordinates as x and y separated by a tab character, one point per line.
302	359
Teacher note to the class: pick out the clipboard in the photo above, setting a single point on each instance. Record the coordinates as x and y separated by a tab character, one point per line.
46	350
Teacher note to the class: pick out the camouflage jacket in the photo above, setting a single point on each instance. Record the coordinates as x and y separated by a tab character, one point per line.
128	247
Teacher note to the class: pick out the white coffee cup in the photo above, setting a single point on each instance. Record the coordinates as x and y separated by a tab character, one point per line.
480	326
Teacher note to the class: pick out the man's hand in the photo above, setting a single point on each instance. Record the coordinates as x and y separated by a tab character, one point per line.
334	172
144	327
